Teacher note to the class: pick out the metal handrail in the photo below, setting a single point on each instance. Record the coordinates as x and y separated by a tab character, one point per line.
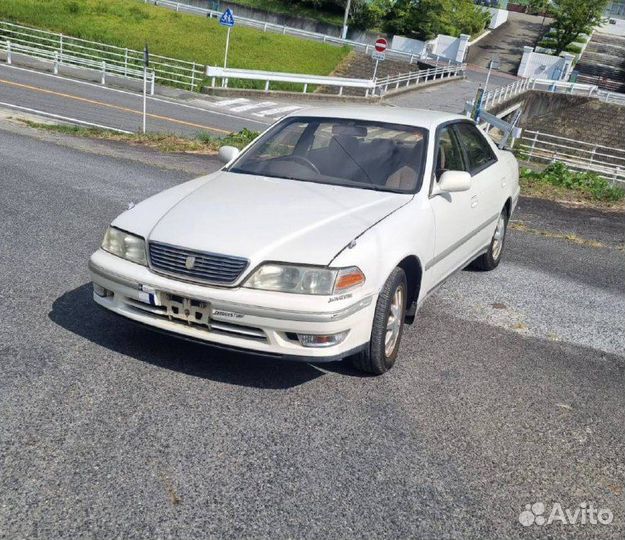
536	146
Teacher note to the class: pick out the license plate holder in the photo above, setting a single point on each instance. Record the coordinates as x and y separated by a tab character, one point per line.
189	310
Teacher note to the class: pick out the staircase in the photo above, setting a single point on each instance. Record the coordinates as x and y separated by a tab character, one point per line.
360	66
603	63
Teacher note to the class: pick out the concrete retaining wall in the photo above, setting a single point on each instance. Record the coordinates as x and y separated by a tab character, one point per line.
575	117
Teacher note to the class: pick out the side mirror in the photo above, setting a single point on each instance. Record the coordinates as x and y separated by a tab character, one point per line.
452	181
228	153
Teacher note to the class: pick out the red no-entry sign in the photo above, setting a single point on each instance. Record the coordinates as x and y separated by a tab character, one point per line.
380	45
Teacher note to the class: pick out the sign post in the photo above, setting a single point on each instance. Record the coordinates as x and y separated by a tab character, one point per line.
380	47
146	63
227	19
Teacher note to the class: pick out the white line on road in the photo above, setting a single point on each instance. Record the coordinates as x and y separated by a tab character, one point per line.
135	94
227	102
253	106
66	118
278	110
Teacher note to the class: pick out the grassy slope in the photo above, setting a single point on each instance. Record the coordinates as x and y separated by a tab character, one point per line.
130	23
283	7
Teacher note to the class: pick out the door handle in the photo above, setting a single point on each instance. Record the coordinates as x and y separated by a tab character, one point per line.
474	201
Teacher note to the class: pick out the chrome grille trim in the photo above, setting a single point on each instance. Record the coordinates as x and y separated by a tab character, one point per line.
216	327
211	268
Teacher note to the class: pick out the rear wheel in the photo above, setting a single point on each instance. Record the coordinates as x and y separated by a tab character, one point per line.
388	325
491	259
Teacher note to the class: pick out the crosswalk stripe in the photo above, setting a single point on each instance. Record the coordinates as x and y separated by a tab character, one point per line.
278	110
227	102
252	106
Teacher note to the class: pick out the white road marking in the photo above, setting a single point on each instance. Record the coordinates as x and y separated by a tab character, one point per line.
278	110
66	118
253	106
135	94
227	102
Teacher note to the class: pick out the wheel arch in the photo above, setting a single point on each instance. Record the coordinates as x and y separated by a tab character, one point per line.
411	265
508	206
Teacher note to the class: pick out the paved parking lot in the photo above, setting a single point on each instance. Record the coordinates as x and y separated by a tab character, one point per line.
509	390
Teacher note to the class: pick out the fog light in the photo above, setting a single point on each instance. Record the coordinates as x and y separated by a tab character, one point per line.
100	291
327	340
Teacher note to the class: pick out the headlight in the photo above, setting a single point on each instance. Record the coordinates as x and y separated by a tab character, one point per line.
125	245
305	279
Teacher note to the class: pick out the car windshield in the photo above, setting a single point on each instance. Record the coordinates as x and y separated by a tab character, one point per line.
353	153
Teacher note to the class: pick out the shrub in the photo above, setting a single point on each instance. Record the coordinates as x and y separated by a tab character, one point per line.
588	183
572	48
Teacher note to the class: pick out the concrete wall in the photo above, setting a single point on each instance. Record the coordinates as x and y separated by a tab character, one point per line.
575	117
445	46
412	46
536	65
497	17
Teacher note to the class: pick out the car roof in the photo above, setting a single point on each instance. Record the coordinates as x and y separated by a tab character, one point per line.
395	115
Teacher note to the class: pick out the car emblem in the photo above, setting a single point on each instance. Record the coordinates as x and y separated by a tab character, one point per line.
189	263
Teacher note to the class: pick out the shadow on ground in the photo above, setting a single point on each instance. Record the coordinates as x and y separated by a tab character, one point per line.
76	311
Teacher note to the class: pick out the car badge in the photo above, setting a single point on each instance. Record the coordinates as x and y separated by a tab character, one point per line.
189	263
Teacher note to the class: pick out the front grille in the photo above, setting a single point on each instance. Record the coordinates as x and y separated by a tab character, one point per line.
207	267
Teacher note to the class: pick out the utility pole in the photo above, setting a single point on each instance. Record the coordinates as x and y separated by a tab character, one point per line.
344	33
146	63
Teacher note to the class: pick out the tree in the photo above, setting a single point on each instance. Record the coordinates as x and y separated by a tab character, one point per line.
425	19
575	17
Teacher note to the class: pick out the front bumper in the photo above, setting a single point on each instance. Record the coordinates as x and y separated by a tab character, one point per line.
240	318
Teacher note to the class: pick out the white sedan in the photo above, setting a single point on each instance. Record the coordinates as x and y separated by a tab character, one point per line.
319	240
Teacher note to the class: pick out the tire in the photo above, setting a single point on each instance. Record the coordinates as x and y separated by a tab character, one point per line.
491	259
380	354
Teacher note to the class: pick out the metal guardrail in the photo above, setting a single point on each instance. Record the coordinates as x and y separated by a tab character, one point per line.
606	161
370	86
268	77
65	50
289	30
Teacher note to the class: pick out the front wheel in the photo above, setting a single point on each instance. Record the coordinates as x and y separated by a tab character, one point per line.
491	259
388	325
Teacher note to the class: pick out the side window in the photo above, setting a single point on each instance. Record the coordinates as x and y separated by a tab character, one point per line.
478	151
449	156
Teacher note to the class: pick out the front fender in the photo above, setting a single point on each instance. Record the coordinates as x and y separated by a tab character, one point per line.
407	232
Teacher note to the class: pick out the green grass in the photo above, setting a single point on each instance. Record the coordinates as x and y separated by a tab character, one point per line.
283	7
202	143
588	185
131	23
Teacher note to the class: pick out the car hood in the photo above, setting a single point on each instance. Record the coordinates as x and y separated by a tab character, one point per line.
260	218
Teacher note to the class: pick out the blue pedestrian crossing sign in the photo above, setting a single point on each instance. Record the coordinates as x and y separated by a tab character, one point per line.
227	18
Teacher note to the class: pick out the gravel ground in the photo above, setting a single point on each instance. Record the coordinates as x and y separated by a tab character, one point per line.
509	390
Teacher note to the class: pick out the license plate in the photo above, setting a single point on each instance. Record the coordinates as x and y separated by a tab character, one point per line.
187	309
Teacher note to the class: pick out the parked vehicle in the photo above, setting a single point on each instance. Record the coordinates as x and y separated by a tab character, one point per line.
317	242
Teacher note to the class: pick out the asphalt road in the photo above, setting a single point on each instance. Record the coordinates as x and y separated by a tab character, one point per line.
509	390
28	90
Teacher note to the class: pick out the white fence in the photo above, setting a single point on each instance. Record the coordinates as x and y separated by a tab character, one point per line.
396	82
64	50
502	94
606	161
371	87
288	30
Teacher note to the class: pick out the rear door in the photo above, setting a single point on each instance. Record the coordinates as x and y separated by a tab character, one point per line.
487	186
